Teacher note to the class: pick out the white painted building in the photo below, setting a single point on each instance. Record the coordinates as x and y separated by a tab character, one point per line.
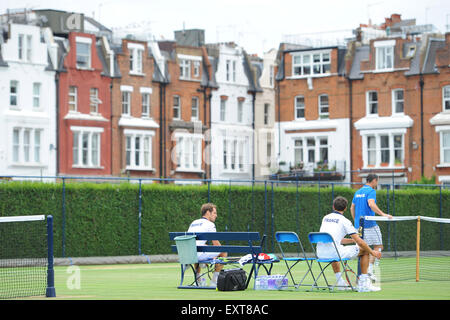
27	103
231	115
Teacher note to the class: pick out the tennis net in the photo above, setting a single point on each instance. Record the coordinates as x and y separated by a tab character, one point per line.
26	256
415	247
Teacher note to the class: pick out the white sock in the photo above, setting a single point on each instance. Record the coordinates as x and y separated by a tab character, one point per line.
338	275
370	270
215	276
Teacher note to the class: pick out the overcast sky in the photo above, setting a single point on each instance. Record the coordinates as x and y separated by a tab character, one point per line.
257	25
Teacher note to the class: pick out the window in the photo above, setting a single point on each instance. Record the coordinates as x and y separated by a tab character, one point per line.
126	102
145	104
446	98
29	47
266	113
13	93
86	147
26	146
384	57
196	68
269	149
185	69
73	97
371	150
307	64
20	46
235	154
234	71
299	107
194	109
323	106
323	149
397	101
240	111
36	95
228	67
310	149
383	149
445	147
83	50
372	103
223	109
136	53
189	152
271	75
138	146
94	100
176	108
298	151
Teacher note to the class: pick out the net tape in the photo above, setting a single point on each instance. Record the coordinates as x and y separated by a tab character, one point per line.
407	218
22	218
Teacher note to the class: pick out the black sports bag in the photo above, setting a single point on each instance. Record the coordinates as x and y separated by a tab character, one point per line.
232	280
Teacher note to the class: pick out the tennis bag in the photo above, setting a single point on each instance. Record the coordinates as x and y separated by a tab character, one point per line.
232	280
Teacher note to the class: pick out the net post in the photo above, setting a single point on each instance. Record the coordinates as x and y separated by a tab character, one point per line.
418	249
50	291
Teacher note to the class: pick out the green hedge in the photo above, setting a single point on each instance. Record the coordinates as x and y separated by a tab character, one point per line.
103	219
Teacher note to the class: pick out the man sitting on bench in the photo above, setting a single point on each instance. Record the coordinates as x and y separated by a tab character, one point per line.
206	224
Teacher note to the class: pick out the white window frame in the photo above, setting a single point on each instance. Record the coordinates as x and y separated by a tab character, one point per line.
384	55
298	107
266	113
136	51
20	46
240	111
446	98
235	154
305	149
176	107
303	64
146	101
185	69
26	152
324	114
94	100
223	110
195	101
37	95
188	151
126	98
395	100
369	102
377	134
443	148
29	48
93	159
143	153
74	95
196	68
88	42
15	94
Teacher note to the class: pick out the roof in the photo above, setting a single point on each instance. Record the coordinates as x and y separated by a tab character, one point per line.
361	54
429	64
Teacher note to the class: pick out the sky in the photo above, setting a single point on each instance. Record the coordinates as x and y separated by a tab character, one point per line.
256	25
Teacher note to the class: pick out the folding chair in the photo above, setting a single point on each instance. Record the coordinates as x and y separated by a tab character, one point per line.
287	237
350	275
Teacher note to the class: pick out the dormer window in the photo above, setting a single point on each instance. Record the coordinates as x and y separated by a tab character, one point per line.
384	55
24	47
311	63
136	54
83	50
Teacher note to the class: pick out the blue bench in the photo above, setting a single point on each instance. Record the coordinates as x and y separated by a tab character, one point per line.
250	248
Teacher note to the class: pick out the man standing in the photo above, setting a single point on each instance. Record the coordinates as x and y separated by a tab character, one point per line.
365	204
338	227
206	224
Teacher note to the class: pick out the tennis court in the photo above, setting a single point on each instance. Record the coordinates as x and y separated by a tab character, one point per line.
158	281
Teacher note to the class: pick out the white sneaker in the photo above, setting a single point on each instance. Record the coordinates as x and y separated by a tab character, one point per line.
372	277
213	283
372	288
365	285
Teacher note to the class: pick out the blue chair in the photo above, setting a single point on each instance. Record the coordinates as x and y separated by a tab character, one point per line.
284	238
350	275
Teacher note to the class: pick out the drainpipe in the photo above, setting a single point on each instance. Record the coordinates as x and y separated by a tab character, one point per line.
350	91
253	132
422	145
160	131
57	149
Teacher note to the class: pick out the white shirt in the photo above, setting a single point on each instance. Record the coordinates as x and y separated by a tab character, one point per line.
338	227
202	225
